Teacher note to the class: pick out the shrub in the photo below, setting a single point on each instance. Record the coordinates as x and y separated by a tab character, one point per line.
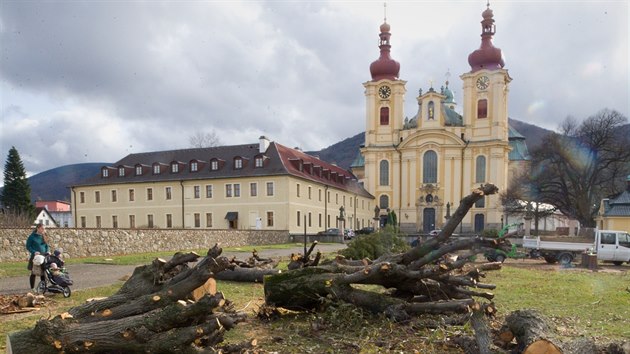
372	246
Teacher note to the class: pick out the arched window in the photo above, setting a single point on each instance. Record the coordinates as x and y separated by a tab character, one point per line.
480	169
383	202
431	110
482	108
429	167
384	173
384	115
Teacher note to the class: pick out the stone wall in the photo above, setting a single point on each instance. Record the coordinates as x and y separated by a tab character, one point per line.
111	242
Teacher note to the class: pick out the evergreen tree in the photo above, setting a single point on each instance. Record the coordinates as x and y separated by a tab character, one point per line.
16	194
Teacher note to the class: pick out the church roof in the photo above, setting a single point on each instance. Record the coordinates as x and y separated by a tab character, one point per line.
452	118
359	161
519	150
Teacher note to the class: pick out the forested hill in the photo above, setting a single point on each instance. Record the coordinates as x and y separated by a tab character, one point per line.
53	184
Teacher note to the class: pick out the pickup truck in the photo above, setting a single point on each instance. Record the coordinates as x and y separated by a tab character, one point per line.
610	246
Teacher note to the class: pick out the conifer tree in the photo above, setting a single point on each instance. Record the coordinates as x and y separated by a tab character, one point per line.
16	194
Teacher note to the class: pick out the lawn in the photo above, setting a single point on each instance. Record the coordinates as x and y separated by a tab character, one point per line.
579	302
12	269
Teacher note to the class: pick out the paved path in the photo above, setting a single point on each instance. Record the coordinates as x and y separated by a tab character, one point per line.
87	276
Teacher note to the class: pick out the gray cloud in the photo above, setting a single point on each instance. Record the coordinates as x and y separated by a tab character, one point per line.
94	81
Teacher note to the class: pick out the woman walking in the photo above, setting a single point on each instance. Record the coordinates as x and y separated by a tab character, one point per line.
36	243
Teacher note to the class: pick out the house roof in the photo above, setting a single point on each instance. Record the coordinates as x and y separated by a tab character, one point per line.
278	160
619	206
40	210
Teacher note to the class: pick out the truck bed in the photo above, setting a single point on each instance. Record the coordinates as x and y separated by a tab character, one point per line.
536	243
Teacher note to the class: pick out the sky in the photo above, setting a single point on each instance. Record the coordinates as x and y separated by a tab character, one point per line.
95	81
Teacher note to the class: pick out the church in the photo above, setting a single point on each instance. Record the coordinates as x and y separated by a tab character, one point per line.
422	167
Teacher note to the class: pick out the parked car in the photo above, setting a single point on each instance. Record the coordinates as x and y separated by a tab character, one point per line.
330	232
348	234
364	231
435	232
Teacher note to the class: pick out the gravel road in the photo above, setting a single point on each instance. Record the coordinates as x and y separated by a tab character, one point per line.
87	276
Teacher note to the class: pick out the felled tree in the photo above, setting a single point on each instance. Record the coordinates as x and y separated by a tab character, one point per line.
152	312
420	280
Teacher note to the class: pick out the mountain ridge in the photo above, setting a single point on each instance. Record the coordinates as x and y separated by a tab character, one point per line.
54	184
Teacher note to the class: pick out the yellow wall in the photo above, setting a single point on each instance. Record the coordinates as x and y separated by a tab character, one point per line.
284	204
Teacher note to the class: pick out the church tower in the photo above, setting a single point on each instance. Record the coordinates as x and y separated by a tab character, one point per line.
486	87
384	96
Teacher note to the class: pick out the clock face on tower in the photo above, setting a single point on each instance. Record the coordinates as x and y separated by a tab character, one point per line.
483	82
384	92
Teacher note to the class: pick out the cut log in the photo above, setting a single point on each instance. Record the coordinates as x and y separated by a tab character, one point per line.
531	329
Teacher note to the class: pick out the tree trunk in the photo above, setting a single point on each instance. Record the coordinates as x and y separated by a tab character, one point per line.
150	313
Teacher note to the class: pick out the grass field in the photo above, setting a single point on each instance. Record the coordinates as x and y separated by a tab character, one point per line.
12	269
578	302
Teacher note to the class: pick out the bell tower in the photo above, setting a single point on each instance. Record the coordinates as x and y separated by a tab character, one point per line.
486	87
384	97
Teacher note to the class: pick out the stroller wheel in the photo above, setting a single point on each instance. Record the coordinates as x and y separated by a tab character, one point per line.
41	288
66	291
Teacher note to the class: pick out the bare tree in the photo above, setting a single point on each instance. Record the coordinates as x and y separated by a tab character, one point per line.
203	140
575	169
523	198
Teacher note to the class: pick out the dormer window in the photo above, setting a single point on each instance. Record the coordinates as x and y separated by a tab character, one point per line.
138	170
214	165
104	172
121	171
156	169
238	163
258	162
174	167
194	166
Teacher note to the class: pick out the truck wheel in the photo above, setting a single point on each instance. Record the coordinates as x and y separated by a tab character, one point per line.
550	259
565	258
617	263
500	258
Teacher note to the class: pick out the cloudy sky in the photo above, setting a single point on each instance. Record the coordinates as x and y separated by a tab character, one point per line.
94	81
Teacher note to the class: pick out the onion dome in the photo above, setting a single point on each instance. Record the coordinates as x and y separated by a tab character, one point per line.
487	56
384	68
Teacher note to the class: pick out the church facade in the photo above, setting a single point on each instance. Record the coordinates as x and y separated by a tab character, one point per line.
422	167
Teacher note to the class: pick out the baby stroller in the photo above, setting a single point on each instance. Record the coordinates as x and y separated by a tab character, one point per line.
56	278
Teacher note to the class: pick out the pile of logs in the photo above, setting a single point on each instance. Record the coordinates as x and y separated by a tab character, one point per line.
152	312
422	280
